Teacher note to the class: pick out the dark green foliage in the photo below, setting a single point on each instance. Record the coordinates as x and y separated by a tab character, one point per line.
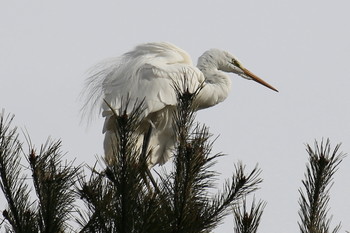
323	163
193	209
19	213
126	198
53	183
120	198
248	221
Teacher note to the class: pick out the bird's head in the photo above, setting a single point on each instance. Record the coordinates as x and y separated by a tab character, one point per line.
226	62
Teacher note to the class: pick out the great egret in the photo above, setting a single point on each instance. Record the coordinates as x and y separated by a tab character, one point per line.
148	73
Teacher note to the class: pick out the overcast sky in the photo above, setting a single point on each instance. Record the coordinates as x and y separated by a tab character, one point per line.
300	47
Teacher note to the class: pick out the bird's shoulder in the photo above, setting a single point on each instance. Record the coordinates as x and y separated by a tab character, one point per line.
150	62
159	51
161	60
148	73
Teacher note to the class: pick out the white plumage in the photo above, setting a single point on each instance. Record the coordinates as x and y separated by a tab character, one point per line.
148	73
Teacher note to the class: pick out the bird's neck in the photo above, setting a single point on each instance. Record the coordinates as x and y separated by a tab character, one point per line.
210	66
217	83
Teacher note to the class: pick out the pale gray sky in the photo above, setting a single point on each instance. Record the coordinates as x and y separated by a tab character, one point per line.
300	47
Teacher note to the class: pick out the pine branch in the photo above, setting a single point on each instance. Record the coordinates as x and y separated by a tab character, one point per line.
97	194
191	176
19	214
127	173
241	185
314	198
193	210
120	199
248	222
54	183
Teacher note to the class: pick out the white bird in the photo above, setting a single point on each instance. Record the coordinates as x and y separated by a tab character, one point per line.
148	73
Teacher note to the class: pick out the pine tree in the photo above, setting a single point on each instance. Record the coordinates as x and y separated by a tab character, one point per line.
248	221
125	196
129	199
53	183
314	197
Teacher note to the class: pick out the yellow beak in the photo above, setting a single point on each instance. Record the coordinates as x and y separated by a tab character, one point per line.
257	79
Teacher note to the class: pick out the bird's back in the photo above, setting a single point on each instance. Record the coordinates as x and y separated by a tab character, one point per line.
147	73
163	51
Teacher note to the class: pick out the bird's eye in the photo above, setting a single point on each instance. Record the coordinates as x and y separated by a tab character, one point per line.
236	63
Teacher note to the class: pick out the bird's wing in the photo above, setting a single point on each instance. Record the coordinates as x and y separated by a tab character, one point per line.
148	74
